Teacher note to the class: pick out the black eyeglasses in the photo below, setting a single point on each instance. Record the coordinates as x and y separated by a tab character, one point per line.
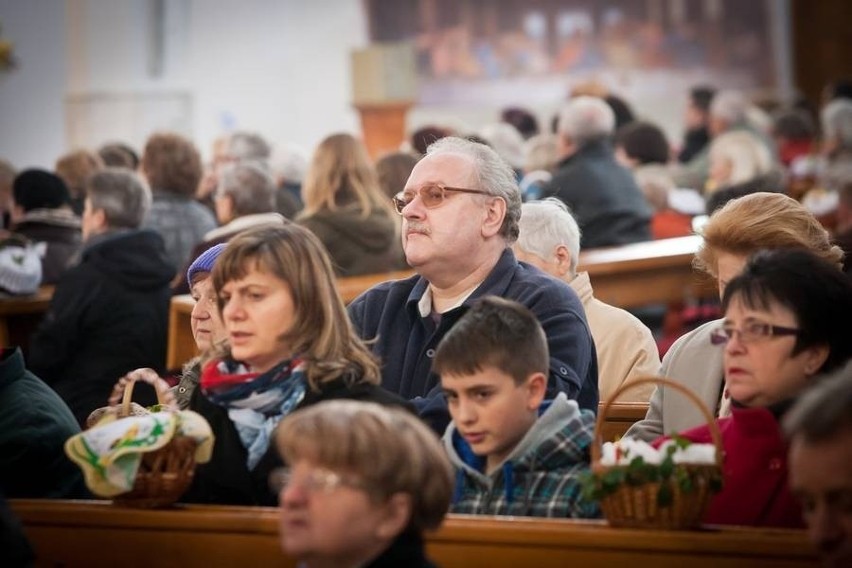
432	195
751	332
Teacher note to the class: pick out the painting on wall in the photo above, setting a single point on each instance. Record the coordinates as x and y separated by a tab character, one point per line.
507	51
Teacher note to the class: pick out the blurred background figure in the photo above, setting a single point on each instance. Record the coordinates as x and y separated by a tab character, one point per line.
739	164
119	155
289	167
172	166
347	210
74	168
696	135
42	213
523	120
540	159
393	170
507	142
7	176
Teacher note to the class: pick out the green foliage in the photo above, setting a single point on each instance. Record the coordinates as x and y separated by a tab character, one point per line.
637	472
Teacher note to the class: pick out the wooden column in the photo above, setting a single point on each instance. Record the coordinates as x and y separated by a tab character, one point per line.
383	125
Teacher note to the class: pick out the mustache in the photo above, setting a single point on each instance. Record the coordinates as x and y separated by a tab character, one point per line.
415	227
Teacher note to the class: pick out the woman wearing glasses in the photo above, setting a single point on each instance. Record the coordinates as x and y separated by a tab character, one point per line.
290	345
342	502
759	221
786	322
347	209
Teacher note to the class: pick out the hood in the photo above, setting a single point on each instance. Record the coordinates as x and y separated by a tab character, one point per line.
561	437
374	233
135	258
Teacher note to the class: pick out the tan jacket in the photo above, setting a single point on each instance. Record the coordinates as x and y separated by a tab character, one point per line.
695	363
625	346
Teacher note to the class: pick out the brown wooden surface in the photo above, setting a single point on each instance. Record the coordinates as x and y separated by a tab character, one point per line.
79	533
383	126
621	416
822	42
20	315
653	272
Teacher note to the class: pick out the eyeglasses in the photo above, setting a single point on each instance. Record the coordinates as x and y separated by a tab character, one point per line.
751	332
317	481
432	195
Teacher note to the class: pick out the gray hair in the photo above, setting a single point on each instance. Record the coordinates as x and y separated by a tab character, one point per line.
824	410
494	176
250	187
746	153
243	146
540	153
506	141
545	225
836	118
730	106
583	119
122	195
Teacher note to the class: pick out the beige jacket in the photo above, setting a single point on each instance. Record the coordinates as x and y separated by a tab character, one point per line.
698	365
625	346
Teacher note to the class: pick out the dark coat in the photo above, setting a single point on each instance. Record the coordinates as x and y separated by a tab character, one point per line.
34	425
356	244
602	196
226	479
59	229
405	341
108	316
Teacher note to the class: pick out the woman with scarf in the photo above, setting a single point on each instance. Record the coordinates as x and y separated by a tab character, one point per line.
786	322
291	345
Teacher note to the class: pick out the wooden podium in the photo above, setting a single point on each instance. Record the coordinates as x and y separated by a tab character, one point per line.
383	125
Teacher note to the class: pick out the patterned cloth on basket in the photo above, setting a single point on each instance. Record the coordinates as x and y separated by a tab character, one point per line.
109	453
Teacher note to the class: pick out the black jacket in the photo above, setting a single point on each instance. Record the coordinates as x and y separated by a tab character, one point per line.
108	316
226	479
602	196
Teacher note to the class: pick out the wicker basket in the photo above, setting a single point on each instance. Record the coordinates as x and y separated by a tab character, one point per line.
164	474
637	505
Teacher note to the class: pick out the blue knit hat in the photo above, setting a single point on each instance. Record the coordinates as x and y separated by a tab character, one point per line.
205	261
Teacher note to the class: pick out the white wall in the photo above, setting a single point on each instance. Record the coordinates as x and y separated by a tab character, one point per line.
280	67
32	127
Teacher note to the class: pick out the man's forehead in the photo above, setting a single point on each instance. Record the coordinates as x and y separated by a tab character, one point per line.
448	168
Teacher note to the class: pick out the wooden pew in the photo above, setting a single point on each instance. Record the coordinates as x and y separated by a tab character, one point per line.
92	534
653	272
620	418
20	315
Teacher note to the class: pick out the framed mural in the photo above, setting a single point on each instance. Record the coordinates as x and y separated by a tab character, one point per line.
501	52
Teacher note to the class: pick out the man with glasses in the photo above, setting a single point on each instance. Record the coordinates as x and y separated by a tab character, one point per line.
460	212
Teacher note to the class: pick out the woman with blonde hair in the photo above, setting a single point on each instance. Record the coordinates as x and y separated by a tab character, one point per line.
290	345
346	208
342	502
740	163
736	231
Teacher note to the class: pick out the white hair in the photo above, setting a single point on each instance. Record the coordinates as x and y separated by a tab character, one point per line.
506	141
730	106
289	163
746	153
545	225
540	153
836	118
248	146
586	118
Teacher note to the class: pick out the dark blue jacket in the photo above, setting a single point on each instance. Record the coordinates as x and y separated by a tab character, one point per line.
603	197
406	342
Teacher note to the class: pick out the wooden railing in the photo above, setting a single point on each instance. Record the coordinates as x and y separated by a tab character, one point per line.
93	534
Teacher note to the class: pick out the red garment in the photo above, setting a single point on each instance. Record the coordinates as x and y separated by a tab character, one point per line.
756	492
667	224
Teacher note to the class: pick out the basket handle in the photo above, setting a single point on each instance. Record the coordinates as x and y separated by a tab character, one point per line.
715	433
123	390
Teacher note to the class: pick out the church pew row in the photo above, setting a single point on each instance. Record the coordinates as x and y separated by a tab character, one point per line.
627	276
92	534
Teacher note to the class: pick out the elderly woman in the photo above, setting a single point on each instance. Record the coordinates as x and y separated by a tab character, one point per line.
786	321
346	208
742	227
290	345
343	503
208	331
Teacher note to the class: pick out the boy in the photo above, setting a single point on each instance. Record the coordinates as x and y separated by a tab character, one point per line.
514	454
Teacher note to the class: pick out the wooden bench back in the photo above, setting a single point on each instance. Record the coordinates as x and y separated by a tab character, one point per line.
78	533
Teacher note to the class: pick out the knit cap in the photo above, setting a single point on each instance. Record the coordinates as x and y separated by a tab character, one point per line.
20	265
205	261
39	189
